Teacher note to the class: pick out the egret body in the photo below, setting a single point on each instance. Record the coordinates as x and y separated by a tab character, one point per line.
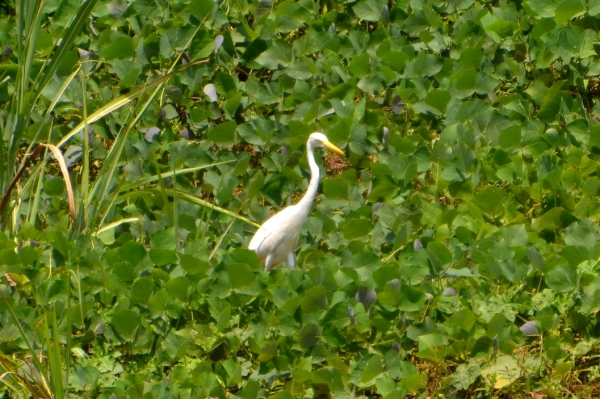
276	240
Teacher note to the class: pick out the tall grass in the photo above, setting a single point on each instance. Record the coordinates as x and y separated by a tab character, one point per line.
43	371
32	78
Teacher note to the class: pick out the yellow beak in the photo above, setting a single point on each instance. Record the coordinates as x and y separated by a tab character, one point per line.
332	148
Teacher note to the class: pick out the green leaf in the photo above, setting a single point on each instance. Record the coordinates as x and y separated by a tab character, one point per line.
567	10
193	265
240	275
282	395
465	375
335	189
581	233
359	65
426	65
232	105
490	200
164	239
254	49
315	300
504	371
9	257
510	137
396	59
500	27
225	84
132	252
414	382
201	9
438	99
562	278
367	10
54	186
515	235
162	257
158	302
120	48
552	106
268	352
277	56
555	217
543	8
178	287
372	370
300	70
432	347
355	228
141	290
309	335
223	133
125	322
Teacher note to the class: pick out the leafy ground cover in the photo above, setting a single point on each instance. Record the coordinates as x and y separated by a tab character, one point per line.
452	252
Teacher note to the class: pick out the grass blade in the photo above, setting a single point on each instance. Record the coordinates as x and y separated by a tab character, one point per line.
199	201
63	167
85	170
68	36
114	225
65	171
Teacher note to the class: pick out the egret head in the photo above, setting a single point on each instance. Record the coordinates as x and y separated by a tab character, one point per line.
320	140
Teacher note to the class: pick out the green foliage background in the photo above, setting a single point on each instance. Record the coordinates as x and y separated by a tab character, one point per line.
453	251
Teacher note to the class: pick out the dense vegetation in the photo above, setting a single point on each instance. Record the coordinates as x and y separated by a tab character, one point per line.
453	251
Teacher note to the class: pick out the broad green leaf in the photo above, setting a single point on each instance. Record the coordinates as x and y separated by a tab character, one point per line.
120	48
543	8
254	49
223	133
132	252
54	186
125	322
368	10
432	347
335	188
425	65
277	56
503	372
178	287
562	278
414	382
142	290
372	370
581	233
359	65
162	256
553	105
490	200
309	336
356	228
201	9
438	99
567	10
510	137
192	264
315	300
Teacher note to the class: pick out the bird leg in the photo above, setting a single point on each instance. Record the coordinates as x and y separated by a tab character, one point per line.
290	260
268	262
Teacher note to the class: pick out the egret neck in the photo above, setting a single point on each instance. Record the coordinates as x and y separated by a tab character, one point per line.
306	202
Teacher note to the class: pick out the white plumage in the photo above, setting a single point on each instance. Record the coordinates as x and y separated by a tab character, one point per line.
276	240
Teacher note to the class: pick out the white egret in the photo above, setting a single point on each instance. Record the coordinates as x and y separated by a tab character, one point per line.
276	240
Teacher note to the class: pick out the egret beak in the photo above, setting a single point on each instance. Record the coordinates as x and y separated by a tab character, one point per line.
332	148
